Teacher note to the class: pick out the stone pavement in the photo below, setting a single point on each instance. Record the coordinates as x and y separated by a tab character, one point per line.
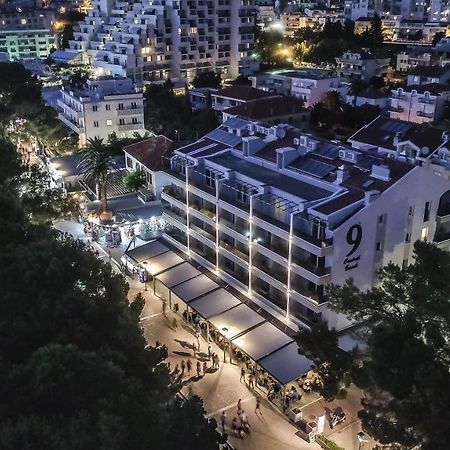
220	388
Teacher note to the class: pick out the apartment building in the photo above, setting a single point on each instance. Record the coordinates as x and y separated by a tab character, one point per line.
154	40
354	9
305	83
428	75
280	215
26	33
419	103
361	64
294	21
439	11
412	58
103	107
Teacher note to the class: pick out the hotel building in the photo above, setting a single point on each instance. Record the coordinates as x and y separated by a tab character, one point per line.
279	214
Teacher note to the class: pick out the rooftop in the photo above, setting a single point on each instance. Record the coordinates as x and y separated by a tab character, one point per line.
432	88
429	71
246	93
305	72
151	151
267	107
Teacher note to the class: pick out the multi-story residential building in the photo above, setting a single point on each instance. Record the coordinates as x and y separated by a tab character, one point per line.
271	111
412	58
280	215
26	33
439	11
305	83
419	103
226	97
371	97
154	40
103	107
292	22
428	75
361	64
354	9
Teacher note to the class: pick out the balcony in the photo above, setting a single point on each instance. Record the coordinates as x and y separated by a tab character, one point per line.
319	271
301	295
428	115
72	110
174	194
398	96
71	124
275	253
427	101
131	126
236	231
129	111
397	109
173	216
202	213
229	248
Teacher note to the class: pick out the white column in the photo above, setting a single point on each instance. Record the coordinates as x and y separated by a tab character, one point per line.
250	245
187	209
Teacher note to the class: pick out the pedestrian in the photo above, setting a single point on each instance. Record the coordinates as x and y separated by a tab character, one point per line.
177	369
234	427
251	381
198	368
205	367
164	307
239	407
258	406
183	367
193	348
213	360
198	342
217	361
189	366
175	323
222	420
242	374
209	352
168	366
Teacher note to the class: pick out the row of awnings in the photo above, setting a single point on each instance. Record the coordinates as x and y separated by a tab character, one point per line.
272	349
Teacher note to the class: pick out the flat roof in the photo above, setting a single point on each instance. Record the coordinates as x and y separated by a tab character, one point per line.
147	251
286	364
302	189
236	320
262	341
214	303
163	262
194	288
178	274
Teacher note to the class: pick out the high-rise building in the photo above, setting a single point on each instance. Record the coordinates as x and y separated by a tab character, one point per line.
158	39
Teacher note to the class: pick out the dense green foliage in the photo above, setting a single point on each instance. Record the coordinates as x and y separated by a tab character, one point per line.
405	369
23	114
75	370
207	79
171	115
134	180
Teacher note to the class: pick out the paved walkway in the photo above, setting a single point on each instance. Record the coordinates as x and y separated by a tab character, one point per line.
220	388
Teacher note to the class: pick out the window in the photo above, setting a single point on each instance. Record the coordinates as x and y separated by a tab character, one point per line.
411	211
378	246
148	176
424	234
408	237
94	108
210	178
109	122
241	193
426	213
134	120
120	106
133	105
381	218
121	121
108	107
96	123
129	162
404	264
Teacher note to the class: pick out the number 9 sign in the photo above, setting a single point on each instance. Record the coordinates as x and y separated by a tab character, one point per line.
354	237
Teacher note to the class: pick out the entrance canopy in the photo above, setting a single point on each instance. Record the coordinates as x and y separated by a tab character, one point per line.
214	303
178	274
235	321
147	251
163	262
194	288
262	340
286	364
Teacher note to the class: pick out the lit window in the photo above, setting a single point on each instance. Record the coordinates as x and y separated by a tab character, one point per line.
424	234
109	122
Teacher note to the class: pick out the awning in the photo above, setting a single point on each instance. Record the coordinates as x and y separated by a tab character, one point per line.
191	289
235	321
178	274
214	303
147	251
163	262
262	340
286	364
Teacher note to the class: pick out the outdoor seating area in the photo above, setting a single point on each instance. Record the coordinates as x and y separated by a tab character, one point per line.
267	355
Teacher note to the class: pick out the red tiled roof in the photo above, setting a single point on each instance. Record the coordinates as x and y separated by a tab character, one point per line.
245	93
150	151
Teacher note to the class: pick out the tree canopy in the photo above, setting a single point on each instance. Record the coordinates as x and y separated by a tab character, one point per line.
207	79
75	370
405	369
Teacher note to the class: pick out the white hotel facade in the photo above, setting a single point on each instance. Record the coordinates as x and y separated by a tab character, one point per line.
154	40
280	215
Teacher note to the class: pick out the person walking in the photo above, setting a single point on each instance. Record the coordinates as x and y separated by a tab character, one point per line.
242	375
251	381
239	407
164	307
189	366
223	417
183	367
205	367
234	426
258	406
193	348
209	351
213	360
198	368
217	361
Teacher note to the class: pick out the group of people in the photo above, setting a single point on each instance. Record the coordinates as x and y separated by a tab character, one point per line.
251	377
240	426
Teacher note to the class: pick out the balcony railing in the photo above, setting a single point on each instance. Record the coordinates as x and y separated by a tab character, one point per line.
130	126
426	114
129	111
398	96
277	274
175	216
427	101
234	250
202	232
177	195
397	108
319	271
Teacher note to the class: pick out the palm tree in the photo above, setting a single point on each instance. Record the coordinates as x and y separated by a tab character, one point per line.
357	87
96	163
